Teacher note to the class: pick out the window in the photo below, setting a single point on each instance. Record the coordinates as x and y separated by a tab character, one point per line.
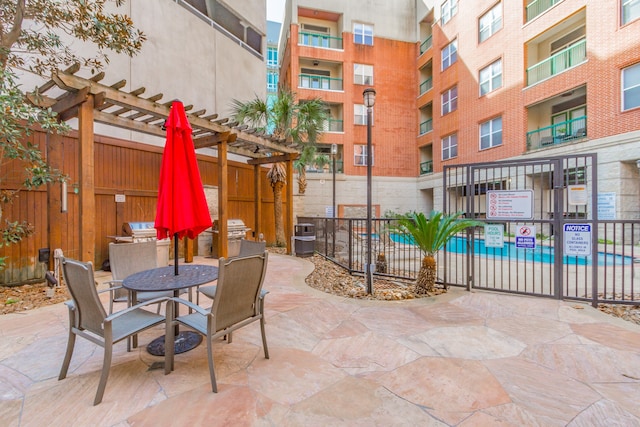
449	54
450	100
631	87
448	10
272	82
360	115
272	57
491	133
490	22
630	10
491	77
450	147
362	74
360	155
363	34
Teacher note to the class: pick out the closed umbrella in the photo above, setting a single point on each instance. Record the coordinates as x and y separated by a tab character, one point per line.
182	206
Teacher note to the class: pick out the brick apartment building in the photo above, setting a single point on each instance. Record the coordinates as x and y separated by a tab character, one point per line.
461	81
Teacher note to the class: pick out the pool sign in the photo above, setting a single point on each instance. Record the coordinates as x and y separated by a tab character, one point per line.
577	239
494	235
507	204
526	236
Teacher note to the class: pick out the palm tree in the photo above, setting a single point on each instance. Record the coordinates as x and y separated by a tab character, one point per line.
430	235
288	120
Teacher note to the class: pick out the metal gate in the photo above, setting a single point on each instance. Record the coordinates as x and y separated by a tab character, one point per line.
527	207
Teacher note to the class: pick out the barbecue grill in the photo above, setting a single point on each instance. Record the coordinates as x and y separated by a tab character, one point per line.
236	231
141	231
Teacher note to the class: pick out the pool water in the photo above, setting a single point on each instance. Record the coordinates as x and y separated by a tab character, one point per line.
510	252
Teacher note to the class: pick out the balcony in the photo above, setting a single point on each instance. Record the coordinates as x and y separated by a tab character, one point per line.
426	168
426	86
557	63
319	40
310	81
333	125
426	45
426	126
537	7
559	133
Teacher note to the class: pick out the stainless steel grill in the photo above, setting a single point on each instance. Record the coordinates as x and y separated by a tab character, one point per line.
236	231
137	232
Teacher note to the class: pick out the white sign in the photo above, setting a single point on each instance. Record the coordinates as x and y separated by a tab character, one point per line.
507	204
577	239
328	211
577	195
526	236
120	198
494	235
606	206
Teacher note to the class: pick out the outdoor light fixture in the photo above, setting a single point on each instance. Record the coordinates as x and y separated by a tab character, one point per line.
369	95
63	197
334	214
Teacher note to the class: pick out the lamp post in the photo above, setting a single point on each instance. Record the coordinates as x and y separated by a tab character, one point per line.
334	154
369	96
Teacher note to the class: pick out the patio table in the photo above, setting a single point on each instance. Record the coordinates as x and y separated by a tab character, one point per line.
164	279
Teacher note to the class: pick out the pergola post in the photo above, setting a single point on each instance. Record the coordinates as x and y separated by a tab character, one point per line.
87	182
257	179
223	197
288	231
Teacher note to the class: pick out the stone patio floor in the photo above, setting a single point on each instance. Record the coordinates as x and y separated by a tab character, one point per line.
461	359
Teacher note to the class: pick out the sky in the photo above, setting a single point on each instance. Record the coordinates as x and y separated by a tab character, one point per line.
275	10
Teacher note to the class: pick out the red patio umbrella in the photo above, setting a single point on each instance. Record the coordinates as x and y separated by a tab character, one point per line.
182	206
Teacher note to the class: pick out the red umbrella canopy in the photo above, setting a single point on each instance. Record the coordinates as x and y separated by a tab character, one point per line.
182	206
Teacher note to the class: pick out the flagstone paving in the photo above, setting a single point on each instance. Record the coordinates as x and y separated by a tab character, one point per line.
461	359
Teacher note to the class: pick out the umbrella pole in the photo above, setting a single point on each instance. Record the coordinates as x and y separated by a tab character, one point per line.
175	254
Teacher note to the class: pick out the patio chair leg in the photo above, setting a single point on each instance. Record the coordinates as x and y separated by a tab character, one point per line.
106	365
214	385
264	338
67	357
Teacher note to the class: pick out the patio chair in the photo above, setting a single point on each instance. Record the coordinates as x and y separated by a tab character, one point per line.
126	259
247	247
88	318
236	304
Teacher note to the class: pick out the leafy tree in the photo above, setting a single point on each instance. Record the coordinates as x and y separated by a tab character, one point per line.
430	235
295	122
35	38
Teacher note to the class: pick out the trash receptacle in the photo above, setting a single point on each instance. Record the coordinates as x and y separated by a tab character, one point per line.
305	239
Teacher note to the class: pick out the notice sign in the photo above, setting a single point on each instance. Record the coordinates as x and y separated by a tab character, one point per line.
577	239
494	235
506	204
606	205
526	236
577	195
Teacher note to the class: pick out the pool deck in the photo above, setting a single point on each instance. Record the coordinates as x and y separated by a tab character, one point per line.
460	359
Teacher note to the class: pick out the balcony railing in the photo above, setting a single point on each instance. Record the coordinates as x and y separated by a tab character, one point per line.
557	63
426	85
333	125
310	81
426	126
319	40
426	167
536	7
425	45
559	133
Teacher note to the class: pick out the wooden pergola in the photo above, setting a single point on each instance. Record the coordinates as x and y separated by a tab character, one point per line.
90	101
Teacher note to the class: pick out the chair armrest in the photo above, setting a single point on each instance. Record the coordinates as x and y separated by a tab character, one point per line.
134	307
197	308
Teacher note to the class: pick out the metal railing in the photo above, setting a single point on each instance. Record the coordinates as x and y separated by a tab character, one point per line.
426	167
559	133
426	126
536	7
311	81
319	40
426	85
426	45
333	125
557	63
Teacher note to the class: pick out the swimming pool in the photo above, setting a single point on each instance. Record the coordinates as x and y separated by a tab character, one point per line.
510	252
